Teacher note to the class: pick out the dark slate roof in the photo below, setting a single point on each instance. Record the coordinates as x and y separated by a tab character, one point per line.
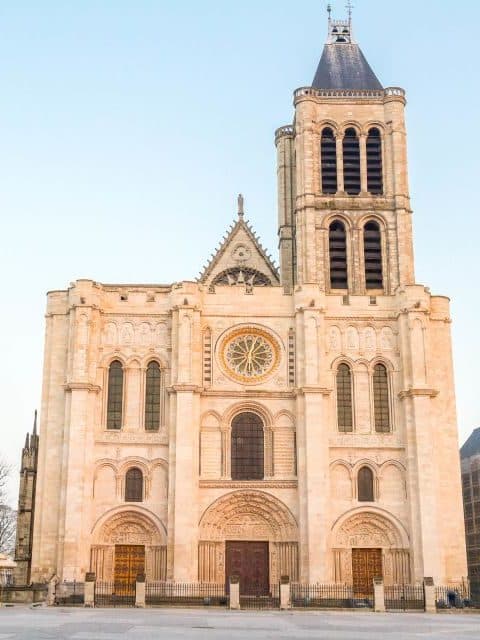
471	446
343	66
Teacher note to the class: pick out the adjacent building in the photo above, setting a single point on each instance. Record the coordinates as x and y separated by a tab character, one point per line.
259	421
470	456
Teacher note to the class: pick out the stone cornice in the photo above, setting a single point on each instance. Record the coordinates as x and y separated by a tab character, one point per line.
131	438
419	392
247	393
248	484
82	386
302	391
184	388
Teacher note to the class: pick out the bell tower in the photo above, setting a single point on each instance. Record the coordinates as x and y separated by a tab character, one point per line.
344	205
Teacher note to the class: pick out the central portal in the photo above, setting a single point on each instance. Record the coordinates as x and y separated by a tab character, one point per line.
129	562
250	562
366	566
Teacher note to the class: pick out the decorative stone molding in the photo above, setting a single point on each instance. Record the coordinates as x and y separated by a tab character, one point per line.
82	386
248	484
418	393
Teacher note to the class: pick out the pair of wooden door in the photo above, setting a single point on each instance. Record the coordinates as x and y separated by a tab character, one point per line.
250	562
129	562
367	565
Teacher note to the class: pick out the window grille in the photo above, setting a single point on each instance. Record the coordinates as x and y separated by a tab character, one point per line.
329	162
372	239
134	485
115	396
381	399
247	447
365	485
338	256
344	399
207	357
351	162
374	162
153	397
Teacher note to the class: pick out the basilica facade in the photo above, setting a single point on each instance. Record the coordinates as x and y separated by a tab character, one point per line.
259	421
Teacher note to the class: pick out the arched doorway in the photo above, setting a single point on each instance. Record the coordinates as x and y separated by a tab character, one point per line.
367	545
251	534
126	544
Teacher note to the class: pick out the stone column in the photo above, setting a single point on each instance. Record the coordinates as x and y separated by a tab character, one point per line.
363	164
379	596
285	599
89	593
430	600
140	591
340	179
234	592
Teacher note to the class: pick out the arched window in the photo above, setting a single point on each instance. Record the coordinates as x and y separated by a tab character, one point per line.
115	396
374	162
153	390
134	485
338	256
372	252
344	399
329	161
247	447
365	485
381	400
351	162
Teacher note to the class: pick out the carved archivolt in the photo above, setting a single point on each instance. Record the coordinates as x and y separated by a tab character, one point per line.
129	527
248	515
368	529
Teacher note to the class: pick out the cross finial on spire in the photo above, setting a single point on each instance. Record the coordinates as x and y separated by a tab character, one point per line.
329	11
241	203
350	7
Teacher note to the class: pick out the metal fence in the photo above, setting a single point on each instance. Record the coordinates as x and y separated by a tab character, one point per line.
185	595
405	597
475	593
452	596
260	599
115	594
328	596
70	594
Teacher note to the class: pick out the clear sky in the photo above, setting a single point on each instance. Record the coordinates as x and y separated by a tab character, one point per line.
128	128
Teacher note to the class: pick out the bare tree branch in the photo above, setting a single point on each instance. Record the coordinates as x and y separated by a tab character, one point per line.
5	471
8	521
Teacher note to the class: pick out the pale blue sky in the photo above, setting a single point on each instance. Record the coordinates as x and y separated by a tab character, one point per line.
128	128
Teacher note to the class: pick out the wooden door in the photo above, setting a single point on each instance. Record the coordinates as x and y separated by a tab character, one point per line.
366	565
129	562
250	562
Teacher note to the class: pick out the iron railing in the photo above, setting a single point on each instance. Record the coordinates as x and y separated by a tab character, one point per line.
328	596
115	594
70	594
452	596
261	599
405	597
186	594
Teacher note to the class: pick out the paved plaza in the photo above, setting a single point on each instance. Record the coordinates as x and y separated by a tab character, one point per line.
133	624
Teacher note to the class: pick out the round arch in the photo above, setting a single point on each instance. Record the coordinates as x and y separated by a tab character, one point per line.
367	528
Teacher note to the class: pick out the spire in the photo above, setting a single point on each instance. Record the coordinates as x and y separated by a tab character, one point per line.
35	424
343	65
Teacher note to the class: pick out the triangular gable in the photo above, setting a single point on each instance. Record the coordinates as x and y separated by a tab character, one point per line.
240	259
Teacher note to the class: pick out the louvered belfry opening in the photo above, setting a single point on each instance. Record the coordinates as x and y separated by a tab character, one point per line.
153	397
351	162
381	399
329	162
365	485
344	399
134	485
115	396
372	240
374	162
247	447
338	256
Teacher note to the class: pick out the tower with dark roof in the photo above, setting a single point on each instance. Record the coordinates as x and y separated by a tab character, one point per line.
470	456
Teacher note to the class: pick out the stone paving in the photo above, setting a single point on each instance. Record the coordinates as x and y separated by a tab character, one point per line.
24	623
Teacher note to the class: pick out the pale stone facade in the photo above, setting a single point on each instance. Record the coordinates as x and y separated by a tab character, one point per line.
306	506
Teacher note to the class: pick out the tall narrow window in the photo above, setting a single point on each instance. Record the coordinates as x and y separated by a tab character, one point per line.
247	447
338	256
153	389
329	162
374	162
351	162
134	485
115	396
365	485
344	399
372	244
381	400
